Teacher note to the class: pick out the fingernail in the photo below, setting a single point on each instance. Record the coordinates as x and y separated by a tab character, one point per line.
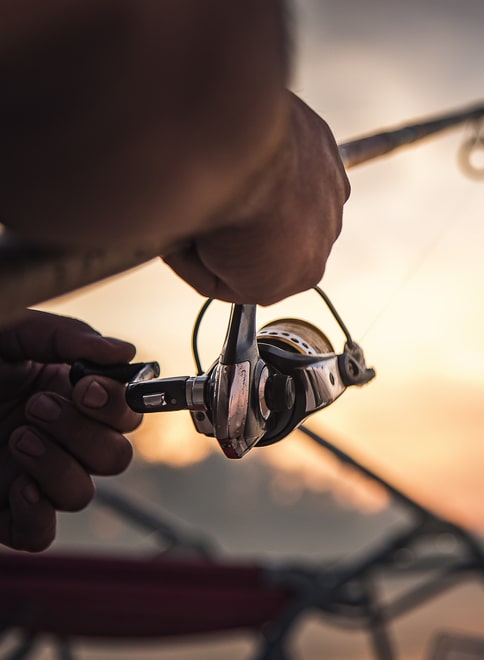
30	444
95	396
46	408
31	493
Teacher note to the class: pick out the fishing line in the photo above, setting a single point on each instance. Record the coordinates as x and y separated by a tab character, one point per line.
420	260
373	146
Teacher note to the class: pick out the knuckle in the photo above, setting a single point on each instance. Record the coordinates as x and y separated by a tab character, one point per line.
72	490
317	273
122	458
115	458
39	543
210	288
38	536
133	422
268	298
76	499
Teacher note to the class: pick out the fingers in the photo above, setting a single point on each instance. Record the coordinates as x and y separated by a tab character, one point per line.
9	471
56	453
274	239
58	475
188	265
253	264
99	448
53	436
29	522
264	262
51	338
104	400
16	378
61	447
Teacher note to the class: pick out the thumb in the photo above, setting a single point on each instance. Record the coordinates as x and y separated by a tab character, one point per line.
50	338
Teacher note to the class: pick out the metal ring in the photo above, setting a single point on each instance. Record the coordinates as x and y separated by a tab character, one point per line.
464	157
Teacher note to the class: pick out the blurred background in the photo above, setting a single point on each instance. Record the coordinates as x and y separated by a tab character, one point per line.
406	276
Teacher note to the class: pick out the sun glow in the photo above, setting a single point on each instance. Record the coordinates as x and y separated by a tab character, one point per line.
171	439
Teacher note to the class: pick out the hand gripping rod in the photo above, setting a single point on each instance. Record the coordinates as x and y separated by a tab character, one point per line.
30	274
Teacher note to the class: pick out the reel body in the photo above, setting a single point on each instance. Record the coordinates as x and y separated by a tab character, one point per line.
263	385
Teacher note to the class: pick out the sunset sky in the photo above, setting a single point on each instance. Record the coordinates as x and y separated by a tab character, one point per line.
406	273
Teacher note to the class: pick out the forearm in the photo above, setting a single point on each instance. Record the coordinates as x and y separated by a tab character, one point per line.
137	114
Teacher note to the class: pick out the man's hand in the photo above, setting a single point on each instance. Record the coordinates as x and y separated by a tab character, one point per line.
54	436
166	124
275	239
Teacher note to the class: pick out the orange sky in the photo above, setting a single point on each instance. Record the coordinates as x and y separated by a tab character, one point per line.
406	274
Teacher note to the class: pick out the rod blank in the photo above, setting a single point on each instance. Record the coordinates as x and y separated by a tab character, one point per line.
369	147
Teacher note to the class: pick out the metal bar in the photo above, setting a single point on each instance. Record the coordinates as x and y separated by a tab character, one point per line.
398	495
30	274
166	531
378	628
430	589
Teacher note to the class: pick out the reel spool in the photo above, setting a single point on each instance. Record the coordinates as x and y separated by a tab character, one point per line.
296	335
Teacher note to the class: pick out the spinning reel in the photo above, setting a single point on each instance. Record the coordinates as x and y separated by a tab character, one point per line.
263	385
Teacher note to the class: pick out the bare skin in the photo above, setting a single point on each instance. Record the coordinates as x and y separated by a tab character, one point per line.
118	124
53	437
125	118
146	120
282	226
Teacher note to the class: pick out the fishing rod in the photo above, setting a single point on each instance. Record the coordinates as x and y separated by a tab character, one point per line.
30	274
369	147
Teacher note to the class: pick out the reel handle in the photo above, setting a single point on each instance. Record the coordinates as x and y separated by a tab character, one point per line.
122	373
158	395
145	391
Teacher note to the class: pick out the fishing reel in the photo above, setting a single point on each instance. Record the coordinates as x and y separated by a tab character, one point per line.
263	385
